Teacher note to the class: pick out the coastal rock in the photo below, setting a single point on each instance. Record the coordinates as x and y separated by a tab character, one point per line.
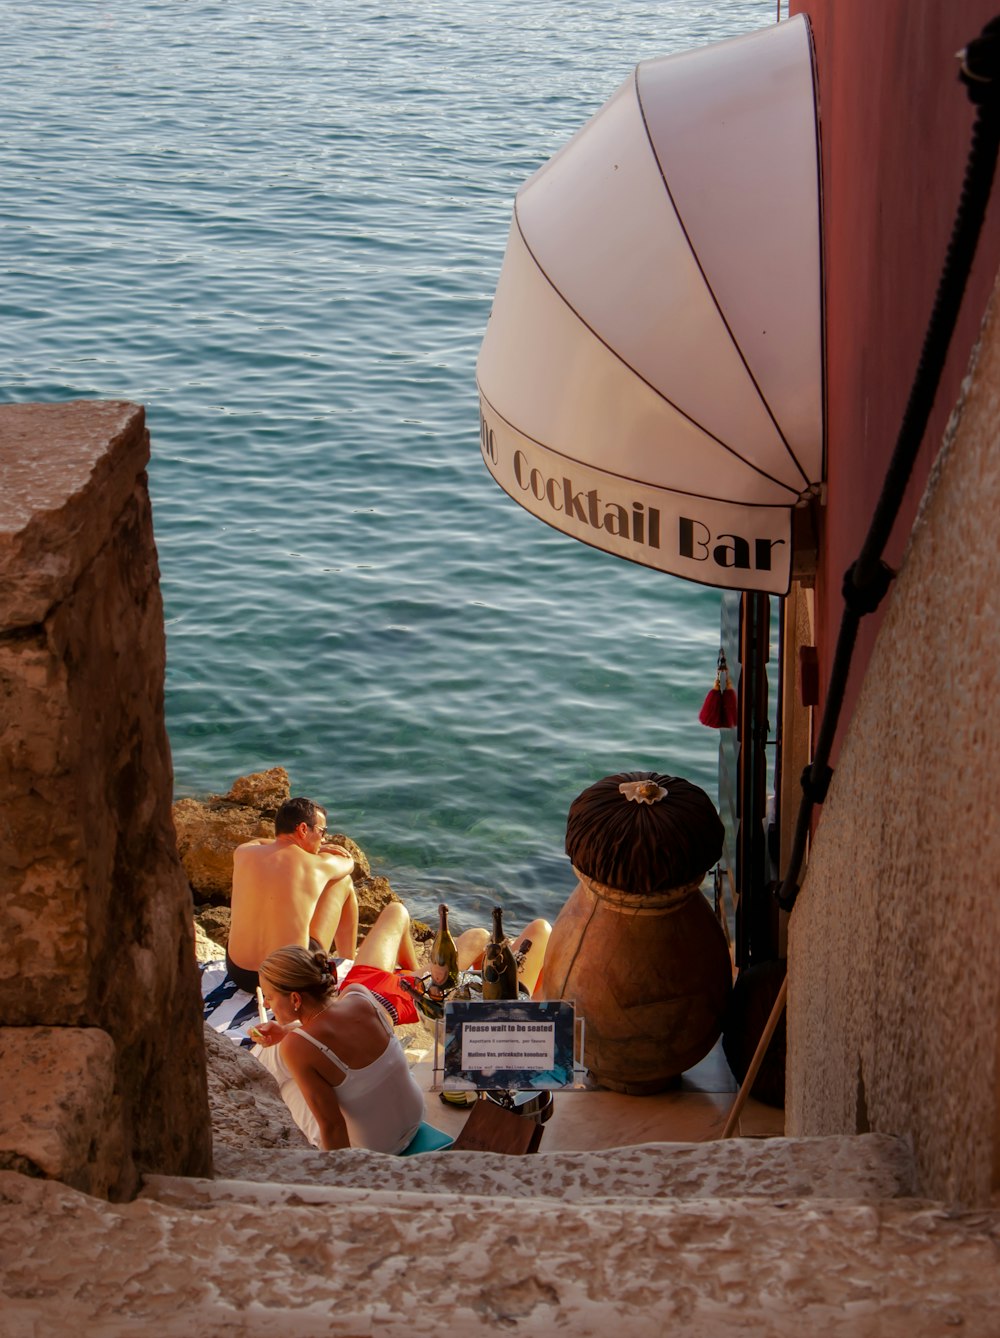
96	912
373	895
206	949
373	891
209	830
362	868
263	790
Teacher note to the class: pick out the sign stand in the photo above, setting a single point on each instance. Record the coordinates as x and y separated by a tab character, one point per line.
516	1045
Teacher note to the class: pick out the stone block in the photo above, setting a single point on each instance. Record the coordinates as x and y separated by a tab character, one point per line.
68	471
61	1117
95	912
870	1166
395	1265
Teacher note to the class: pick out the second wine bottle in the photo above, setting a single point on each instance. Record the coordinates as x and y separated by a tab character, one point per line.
499	964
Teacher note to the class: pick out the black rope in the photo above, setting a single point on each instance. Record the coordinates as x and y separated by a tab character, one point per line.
868	578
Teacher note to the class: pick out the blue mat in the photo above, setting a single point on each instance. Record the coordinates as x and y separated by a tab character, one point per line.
426	1139
225	1007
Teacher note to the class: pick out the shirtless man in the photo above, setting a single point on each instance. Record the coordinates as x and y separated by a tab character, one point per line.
294	889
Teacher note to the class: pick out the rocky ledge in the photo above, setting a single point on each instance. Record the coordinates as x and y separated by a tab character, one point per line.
209	830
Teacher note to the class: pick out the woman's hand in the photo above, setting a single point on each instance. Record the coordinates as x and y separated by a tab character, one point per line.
268	1033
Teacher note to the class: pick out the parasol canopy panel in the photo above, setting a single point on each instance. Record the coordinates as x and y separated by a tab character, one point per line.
651	377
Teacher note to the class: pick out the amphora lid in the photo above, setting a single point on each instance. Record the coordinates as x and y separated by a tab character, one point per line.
643	832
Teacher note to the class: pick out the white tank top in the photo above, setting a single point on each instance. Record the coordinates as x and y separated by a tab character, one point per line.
382	1104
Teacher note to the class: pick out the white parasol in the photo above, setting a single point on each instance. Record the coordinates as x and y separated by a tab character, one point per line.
651	378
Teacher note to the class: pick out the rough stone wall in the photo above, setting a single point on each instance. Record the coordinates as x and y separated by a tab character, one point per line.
894	956
94	904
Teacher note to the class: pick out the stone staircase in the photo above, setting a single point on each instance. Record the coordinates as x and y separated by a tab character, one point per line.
779	1236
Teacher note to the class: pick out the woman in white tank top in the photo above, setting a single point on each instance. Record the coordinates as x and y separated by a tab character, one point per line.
342	1052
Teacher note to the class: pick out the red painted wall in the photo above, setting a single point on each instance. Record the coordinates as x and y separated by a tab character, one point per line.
895	127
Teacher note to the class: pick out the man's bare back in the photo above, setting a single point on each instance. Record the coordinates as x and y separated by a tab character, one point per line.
289	890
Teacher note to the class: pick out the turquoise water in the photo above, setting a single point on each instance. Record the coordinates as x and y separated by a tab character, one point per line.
278	226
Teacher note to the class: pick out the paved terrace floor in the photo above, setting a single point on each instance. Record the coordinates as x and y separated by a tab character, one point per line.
586	1121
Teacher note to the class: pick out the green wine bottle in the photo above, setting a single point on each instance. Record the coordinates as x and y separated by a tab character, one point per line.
499	966
444	957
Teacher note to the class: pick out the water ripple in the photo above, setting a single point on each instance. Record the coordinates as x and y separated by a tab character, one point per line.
279	226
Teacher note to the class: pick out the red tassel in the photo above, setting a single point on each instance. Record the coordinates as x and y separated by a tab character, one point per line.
711	711
718	710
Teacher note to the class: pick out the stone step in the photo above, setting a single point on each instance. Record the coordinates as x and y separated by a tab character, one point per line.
693	1268
869	1166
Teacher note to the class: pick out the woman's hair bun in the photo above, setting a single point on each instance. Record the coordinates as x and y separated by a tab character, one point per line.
324	966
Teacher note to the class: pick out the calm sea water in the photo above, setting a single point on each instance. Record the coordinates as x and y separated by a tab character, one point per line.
278	225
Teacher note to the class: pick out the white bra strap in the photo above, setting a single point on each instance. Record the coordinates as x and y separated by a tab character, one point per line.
373	1000
334	1059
